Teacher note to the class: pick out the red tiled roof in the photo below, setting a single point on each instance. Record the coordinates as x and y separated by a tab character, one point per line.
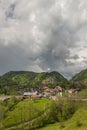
72	90
59	88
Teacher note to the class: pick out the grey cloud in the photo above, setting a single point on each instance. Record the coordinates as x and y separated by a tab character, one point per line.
11	57
43	34
10	11
84	57
75	57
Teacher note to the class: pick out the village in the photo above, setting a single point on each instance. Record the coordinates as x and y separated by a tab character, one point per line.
46	92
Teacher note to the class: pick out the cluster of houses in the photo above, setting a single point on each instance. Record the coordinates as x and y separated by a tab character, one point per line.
47	92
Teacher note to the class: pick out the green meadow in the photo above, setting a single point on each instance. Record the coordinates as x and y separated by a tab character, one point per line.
17	112
77	122
43	114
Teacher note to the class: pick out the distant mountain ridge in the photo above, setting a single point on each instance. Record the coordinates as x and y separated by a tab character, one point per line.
81	78
31	79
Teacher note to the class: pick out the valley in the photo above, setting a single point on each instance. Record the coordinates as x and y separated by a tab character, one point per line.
60	106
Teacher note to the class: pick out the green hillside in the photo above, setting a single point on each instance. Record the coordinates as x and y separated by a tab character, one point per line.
24	111
44	114
16	113
77	122
25	79
81	78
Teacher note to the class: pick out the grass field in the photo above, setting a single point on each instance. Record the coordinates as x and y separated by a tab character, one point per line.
77	122
24	111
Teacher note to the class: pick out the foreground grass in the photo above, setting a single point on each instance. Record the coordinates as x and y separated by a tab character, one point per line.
33	114
77	122
24	111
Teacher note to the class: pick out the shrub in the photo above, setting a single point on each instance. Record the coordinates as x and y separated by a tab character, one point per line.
78	123
62	109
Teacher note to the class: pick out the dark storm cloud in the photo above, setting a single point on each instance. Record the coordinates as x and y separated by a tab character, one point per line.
10	11
43	35
11	57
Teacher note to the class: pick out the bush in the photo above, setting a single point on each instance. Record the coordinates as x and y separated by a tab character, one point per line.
61	109
78	123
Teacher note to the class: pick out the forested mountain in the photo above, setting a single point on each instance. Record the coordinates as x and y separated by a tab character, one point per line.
80	78
31	79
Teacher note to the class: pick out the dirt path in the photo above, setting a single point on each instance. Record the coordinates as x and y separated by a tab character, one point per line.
8	97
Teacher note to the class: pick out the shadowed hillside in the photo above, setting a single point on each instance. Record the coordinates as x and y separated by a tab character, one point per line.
81	79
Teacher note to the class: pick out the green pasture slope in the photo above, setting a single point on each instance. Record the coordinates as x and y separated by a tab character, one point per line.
77	122
23	111
40	115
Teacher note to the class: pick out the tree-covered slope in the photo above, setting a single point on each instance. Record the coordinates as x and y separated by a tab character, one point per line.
31	79
18	78
50	79
81	78
77	122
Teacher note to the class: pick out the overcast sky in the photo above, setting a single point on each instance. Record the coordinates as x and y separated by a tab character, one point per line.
43	35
